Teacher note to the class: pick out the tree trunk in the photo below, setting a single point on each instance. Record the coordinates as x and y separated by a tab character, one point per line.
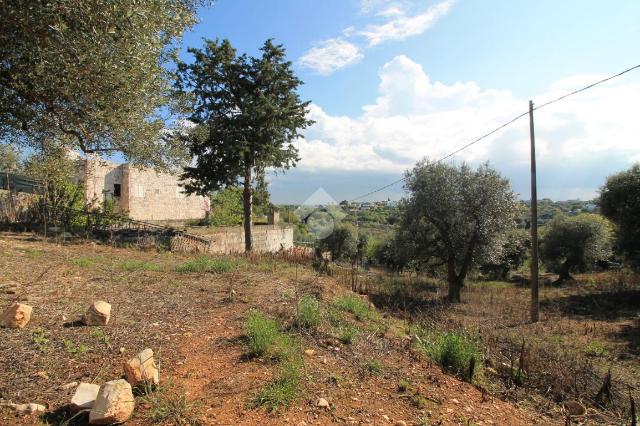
454	282
564	274
248	209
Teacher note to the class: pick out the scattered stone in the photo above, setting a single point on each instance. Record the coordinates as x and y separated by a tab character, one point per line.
401	423
386	418
574	408
30	408
69	385
114	403
42	375
309	352
322	403
85	396
98	313
122	349
142	369
16	316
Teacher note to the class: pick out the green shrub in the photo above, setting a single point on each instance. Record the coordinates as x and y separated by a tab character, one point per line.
595	348
261	331
347	334
404	385
418	400
454	351
308	312
353	304
139	265
207	264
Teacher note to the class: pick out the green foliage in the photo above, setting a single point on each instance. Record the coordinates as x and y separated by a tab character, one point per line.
342	242
262	332
283	391
456	215
308	312
247	114
620	202
139	265
226	207
87	261
575	243
205	263
373	366
353	304
404	386
513	253
347	334
452	350
166	405
92	75
40	338
9	158
73	348
595	348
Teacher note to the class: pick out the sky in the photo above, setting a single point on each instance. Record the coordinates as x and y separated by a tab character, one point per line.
392	82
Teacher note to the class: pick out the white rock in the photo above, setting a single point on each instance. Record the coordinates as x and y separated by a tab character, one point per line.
114	403
30	408
142	369
98	313
322	403
16	316
68	385
85	396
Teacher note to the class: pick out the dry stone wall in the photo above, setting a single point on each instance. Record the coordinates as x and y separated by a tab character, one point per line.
266	238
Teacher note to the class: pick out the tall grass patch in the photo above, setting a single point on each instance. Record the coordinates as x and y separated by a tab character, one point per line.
353	304
282	391
209	264
261	331
308	314
455	351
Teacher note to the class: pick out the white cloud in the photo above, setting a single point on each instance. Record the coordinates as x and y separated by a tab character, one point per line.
401	26
414	117
331	55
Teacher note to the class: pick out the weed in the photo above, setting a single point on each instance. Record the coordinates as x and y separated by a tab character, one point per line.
168	406
595	348
418	400
34	253
39	338
308	312
453	350
86	262
261	331
373	366
99	333
139	265
281	392
73	349
347	334
284	348
208	264
404	386
353	304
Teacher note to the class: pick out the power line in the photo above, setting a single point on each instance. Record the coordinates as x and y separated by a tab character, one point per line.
502	126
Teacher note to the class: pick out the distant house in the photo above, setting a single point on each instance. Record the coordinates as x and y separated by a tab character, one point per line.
145	194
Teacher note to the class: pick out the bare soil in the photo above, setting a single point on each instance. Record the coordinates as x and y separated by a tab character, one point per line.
194	324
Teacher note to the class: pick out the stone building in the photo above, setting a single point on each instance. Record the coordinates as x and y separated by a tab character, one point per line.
146	194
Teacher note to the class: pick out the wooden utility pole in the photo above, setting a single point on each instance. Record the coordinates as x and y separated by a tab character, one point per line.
535	315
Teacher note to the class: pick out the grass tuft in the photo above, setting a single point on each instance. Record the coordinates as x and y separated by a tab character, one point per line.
282	391
452	350
347	334
308	312
262	332
208	264
373	366
353	304
168	406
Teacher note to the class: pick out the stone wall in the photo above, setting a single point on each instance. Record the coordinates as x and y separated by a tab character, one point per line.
266	238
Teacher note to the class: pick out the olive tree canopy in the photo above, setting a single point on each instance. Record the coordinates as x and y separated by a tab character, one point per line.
456	216
92	74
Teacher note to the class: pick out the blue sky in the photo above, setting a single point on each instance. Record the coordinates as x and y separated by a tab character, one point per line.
393	81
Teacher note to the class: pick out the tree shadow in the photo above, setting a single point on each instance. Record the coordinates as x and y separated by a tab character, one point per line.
65	415
604	306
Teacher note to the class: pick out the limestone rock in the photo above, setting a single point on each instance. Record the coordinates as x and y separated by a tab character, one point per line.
114	403
322	403
30	408
142	369
85	396
98	313
574	408
309	352
16	316
401	423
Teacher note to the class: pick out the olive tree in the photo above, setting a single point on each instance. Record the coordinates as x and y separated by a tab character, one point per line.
575	243
620	202
455	215
93	75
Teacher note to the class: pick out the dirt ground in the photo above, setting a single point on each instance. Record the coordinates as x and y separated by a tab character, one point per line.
196	330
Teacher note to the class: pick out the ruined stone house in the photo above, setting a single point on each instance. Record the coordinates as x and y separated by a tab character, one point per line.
146	194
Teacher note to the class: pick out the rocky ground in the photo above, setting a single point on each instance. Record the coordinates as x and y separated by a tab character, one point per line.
193	321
